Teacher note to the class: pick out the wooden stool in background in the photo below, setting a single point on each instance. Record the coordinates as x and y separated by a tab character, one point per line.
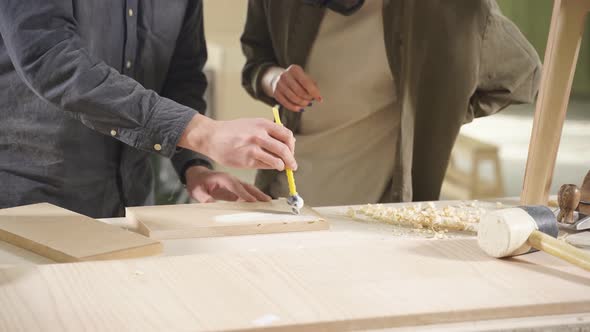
565	36
469	184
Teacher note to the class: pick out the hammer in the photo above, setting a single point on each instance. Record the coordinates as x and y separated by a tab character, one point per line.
520	230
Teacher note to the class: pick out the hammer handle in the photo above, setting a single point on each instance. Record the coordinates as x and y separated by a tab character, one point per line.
559	249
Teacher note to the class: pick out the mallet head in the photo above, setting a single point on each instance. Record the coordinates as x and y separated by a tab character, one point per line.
505	232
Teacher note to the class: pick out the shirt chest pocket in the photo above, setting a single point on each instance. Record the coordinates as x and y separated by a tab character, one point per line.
161	20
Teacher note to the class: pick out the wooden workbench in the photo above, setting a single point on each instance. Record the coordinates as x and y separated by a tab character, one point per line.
344	237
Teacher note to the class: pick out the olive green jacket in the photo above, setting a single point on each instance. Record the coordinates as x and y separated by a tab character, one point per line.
452	60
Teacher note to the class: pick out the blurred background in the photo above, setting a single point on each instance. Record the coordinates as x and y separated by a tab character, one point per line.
490	154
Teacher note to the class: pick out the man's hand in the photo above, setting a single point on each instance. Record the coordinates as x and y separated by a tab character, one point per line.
242	143
207	186
291	87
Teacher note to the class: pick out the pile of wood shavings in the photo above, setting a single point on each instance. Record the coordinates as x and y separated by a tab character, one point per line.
425	218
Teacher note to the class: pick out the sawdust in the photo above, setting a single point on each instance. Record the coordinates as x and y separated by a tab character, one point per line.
425	219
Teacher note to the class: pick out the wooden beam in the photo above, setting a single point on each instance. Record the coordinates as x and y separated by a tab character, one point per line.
565	35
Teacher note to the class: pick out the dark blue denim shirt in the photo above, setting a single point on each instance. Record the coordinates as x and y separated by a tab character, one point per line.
90	88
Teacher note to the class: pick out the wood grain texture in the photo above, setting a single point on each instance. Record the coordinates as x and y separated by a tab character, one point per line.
222	219
388	284
565	36
66	236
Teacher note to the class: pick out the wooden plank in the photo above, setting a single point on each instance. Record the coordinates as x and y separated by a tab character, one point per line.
66	236
381	285
565	36
563	323
222	219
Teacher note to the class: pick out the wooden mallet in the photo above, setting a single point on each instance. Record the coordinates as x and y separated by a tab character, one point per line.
520	230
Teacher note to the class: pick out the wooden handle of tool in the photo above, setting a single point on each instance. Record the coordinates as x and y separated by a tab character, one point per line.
569	199
559	249
585	195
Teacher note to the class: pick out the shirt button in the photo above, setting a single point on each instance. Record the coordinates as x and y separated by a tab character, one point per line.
130	12
128	64
157	147
113	132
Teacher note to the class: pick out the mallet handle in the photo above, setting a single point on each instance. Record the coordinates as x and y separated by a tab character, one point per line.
559	249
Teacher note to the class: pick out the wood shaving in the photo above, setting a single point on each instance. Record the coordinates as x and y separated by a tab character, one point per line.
425	218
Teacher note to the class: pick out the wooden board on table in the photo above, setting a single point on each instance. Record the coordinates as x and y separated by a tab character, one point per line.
66	236
222	219
391	283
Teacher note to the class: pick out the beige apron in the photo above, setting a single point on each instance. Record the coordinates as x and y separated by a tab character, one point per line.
345	149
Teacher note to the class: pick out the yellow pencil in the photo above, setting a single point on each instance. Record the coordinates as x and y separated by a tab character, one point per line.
294	199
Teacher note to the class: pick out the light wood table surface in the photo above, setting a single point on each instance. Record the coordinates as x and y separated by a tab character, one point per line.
344	232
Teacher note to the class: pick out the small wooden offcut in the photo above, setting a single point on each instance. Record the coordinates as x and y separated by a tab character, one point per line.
65	236
222	219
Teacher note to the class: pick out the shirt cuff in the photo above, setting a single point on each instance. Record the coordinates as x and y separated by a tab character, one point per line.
183	159
257	83
161	131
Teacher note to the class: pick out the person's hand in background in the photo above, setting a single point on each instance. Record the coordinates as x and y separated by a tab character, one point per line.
242	143
207	186
291	87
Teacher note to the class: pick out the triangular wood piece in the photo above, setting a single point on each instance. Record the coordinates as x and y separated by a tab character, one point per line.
66	236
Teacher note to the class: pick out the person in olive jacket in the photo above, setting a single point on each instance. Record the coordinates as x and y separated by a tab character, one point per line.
391	83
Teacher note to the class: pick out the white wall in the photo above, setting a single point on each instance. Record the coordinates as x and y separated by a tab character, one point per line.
224	22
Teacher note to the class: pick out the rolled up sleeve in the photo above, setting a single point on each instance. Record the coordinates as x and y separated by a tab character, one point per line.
510	68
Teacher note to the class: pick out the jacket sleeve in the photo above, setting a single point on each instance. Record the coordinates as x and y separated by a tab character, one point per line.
186	82
258	50
510	69
42	39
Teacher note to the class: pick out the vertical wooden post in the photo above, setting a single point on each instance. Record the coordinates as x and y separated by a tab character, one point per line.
565	35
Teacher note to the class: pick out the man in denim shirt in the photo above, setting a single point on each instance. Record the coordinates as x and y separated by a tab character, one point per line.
88	88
